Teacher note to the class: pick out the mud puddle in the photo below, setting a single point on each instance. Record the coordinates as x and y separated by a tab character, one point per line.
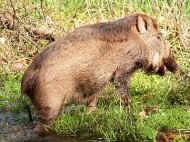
15	127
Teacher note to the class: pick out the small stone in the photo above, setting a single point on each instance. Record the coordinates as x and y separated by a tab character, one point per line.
143	115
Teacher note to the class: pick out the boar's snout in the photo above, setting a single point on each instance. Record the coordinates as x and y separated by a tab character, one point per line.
171	64
161	70
165	63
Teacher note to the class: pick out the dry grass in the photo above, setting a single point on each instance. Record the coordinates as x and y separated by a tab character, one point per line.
61	16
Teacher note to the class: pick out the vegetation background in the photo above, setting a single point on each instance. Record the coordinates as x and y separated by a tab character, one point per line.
160	105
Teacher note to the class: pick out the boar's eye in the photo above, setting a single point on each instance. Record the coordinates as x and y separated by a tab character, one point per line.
159	36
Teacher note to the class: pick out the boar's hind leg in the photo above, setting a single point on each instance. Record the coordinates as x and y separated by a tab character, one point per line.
122	82
49	110
47	114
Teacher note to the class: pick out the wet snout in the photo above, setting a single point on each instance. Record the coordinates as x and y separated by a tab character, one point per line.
171	64
168	63
162	70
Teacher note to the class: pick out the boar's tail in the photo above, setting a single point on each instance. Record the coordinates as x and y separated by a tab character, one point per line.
28	109
28	83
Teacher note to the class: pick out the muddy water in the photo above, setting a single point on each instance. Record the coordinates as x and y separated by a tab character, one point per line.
15	127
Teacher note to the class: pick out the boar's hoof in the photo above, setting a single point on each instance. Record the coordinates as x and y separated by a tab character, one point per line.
126	100
42	130
91	109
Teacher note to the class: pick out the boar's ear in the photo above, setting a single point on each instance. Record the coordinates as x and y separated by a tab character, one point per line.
144	24
141	25
150	26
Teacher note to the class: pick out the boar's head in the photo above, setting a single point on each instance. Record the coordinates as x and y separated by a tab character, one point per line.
158	54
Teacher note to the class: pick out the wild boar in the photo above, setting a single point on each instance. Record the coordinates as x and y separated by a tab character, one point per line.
77	66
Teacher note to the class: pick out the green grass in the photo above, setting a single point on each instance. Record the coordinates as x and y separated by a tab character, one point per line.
111	121
113	124
10	95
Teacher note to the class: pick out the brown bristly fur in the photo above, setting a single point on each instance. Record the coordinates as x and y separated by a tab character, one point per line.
75	68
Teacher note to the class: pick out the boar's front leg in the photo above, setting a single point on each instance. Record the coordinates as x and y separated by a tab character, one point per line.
91	104
122	83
